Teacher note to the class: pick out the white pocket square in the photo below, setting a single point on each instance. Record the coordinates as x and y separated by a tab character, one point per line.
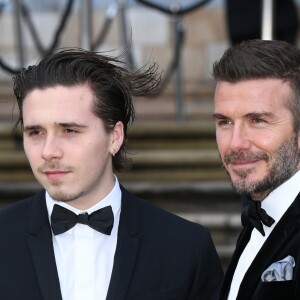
281	270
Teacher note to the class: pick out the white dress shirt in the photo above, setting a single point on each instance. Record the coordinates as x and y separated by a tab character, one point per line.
275	204
84	257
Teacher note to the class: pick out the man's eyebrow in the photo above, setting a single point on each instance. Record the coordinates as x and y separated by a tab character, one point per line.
62	125
70	124
251	115
31	127
219	117
258	115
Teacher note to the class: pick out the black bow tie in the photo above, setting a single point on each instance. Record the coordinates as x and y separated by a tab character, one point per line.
254	215
63	219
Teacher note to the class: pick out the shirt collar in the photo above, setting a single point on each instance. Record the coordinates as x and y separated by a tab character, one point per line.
279	200
113	199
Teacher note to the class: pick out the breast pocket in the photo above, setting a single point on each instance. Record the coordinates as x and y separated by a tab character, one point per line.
276	290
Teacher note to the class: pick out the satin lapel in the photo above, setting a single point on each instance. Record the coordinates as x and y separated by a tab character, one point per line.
127	248
241	244
40	244
288	225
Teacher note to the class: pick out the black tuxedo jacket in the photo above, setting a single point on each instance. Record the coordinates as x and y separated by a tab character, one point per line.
159	256
284	240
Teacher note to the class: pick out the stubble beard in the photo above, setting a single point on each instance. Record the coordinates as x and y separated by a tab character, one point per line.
56	187
59	195
284	166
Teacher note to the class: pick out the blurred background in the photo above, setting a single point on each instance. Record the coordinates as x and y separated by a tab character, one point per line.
175	163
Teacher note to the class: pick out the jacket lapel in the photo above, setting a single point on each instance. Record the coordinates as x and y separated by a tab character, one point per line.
241	244
39	240
282	233
127	248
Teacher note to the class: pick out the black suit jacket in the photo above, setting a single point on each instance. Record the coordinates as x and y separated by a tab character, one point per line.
284	240
159	256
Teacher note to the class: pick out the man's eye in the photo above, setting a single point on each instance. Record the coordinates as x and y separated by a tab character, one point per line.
223	122
34	132
258	121
70	130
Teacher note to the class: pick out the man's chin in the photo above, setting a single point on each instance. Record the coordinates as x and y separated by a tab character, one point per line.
58	194
64	194
244	185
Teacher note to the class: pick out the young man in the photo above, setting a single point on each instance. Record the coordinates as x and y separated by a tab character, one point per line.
84	236
257	116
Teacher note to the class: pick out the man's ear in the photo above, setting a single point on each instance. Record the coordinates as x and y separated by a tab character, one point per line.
117	138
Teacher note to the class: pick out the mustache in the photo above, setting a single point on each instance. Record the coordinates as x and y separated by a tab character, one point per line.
49	166
235	157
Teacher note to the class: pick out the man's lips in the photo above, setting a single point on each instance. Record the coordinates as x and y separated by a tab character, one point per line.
244	164
55	174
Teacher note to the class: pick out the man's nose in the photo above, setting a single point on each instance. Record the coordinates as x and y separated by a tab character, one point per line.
240	139
52	149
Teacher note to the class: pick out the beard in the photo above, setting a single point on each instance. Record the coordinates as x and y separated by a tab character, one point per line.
62	196
58	192
284	164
